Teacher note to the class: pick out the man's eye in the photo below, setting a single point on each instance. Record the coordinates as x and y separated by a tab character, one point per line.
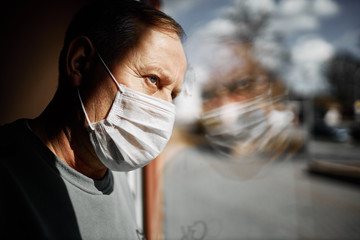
153	79
239	85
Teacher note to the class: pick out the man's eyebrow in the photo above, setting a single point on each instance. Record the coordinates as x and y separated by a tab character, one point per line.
163	74
159	70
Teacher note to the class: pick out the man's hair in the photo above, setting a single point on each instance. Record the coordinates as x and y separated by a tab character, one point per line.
115	26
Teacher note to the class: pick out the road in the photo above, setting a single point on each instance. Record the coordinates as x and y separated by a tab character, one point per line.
207	196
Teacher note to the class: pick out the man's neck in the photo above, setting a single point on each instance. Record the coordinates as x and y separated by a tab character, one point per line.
68	140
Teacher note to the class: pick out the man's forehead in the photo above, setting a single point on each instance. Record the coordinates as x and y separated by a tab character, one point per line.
162	50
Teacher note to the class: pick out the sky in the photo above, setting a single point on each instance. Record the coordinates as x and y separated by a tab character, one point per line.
312	31
192	14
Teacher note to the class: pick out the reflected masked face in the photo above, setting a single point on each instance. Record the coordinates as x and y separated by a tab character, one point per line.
236	104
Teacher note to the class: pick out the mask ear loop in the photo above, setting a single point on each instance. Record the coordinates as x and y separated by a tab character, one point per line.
82	106
111	75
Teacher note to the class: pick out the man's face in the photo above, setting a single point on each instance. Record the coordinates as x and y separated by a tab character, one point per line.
156	66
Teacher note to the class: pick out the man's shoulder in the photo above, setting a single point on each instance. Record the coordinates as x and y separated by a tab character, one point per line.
13	127
9	131
11	137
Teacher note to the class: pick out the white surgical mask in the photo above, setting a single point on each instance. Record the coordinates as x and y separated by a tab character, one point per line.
135	131
234	123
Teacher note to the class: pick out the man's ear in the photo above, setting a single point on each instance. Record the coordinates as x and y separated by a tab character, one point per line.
78	59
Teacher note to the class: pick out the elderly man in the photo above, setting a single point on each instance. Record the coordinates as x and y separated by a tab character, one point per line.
121	65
